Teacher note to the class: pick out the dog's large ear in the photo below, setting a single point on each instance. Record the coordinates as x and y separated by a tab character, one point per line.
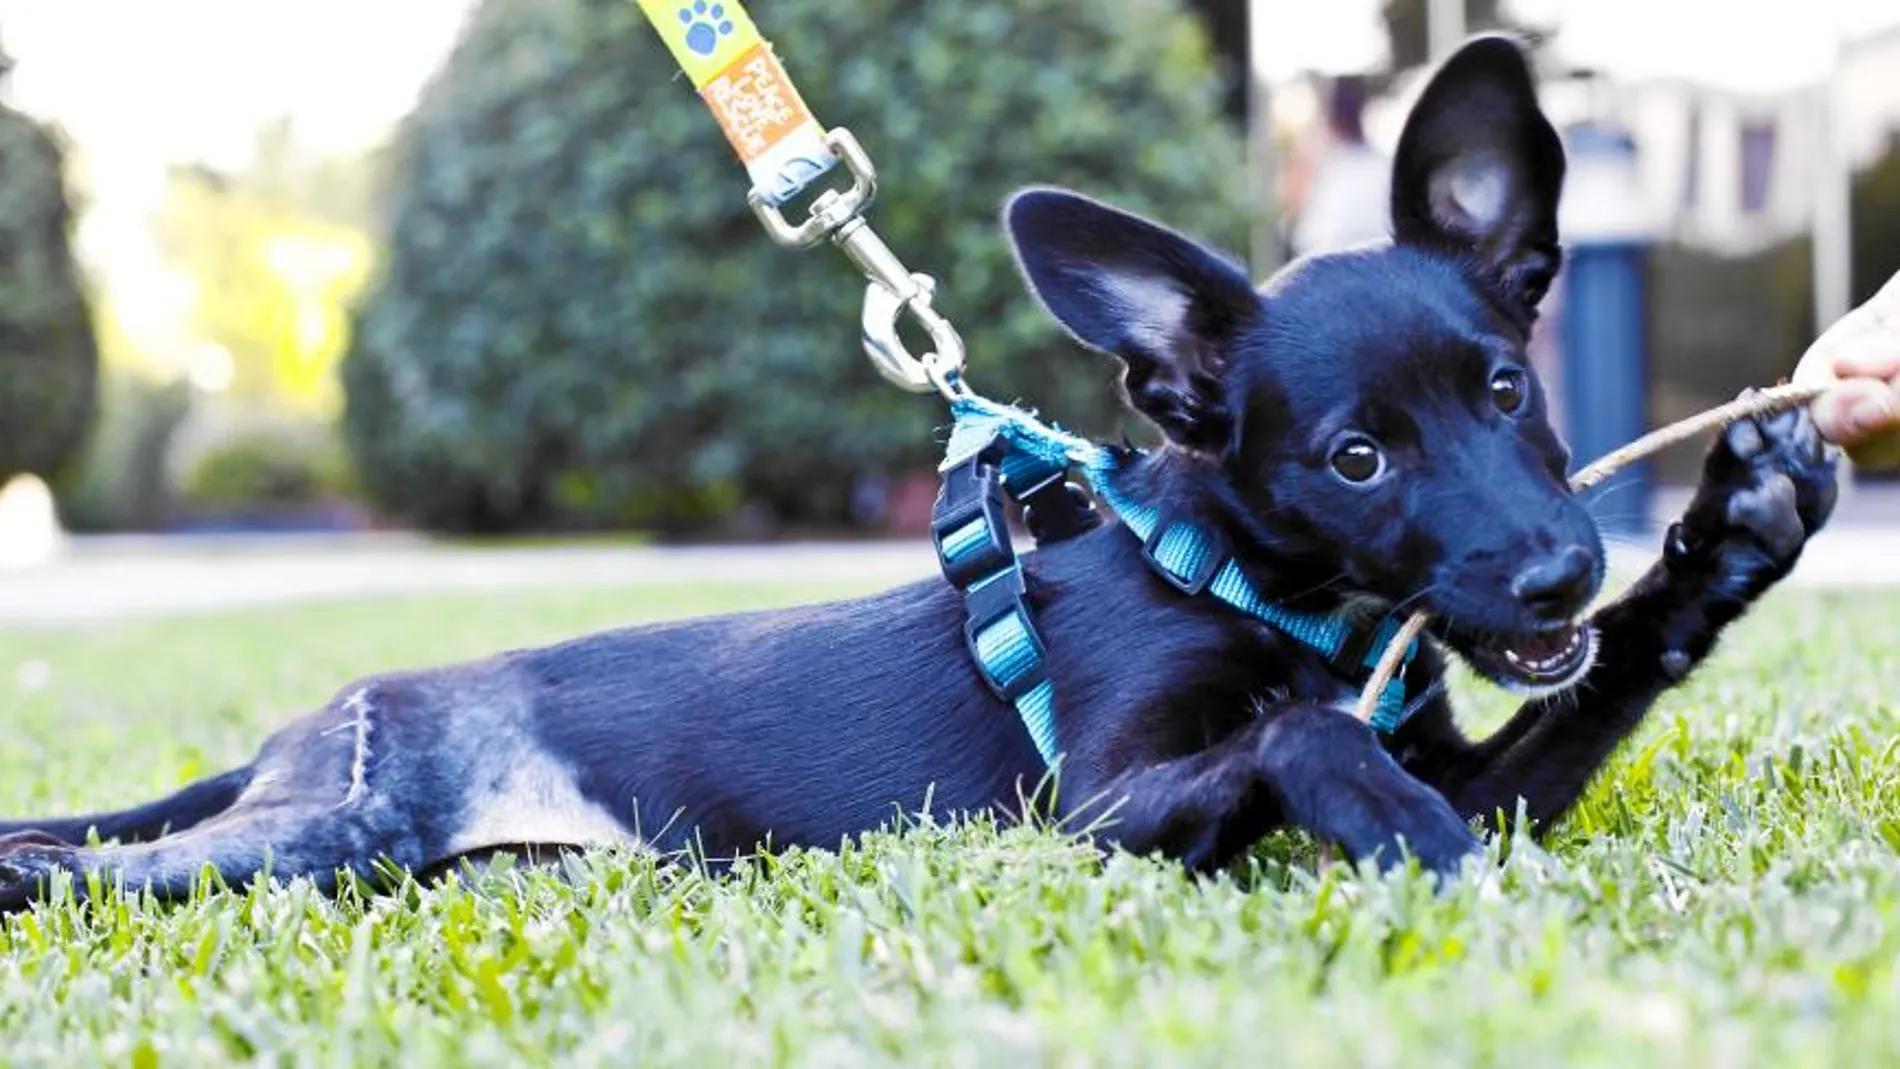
1166	305
1479	170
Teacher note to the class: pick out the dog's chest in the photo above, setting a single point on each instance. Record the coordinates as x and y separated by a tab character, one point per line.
1288	676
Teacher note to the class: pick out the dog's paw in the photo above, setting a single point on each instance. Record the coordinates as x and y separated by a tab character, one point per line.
1333	777
1768	485
1426	827
28	861
1387	819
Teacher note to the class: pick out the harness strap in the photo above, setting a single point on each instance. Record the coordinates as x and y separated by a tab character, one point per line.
996	449
972	537
1196	560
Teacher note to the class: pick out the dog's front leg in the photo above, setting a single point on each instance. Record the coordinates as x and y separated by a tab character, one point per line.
1308	765
1767	486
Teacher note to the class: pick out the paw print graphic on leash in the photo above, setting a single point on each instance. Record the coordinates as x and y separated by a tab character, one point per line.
705	25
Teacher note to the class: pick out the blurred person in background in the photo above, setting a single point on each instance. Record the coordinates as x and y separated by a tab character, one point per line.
1336	186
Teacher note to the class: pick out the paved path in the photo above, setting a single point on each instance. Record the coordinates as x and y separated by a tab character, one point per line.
129	578
123	578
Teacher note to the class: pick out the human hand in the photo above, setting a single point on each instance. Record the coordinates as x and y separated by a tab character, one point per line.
1860	357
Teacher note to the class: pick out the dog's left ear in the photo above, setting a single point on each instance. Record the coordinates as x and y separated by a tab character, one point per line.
1479	170
1166	305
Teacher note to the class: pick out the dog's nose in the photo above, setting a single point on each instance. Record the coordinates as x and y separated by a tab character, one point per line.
1555	588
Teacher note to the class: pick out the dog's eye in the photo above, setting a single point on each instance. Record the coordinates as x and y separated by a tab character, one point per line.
1509	388
1357	460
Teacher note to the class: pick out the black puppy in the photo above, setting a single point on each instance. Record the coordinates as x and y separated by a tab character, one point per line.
1364	432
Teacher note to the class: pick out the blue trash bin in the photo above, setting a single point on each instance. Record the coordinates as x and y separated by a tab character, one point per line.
1604	335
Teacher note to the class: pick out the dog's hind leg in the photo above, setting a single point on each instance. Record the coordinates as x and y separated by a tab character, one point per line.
411	770
313	841
321	797
191	806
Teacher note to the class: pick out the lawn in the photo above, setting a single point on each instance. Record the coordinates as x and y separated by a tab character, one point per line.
1729	894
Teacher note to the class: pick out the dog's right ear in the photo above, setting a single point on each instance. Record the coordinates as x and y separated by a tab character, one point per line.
1166	305
1479	169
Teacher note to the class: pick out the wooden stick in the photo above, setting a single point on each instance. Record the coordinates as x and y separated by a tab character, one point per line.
1755	403
1388	665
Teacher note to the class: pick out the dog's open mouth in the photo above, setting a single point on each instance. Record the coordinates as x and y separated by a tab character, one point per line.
1538	659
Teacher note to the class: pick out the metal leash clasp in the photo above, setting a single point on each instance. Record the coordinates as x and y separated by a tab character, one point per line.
833	208
941	368
893	289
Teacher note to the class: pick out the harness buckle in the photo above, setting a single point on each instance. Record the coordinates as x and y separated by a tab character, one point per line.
1055	510
967	524
1002	637
1206	563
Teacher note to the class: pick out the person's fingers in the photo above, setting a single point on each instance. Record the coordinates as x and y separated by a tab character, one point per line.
1877	354
1863	343
1862	416
1870	363
1859	358
1859	336
1855	409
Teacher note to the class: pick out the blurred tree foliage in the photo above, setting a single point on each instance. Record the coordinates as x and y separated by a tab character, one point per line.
49	356
1227	23
580	323
259	268
122	482
278	252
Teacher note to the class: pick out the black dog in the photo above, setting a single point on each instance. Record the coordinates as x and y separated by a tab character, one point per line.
1364	432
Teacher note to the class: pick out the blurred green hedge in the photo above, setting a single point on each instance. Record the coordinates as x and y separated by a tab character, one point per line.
49	356
578	322
265	468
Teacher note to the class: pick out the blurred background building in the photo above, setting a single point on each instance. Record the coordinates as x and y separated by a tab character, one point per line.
484	266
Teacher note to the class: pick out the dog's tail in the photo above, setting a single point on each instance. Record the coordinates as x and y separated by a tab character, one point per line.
194	804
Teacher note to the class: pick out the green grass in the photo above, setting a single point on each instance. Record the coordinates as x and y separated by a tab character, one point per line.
1729	894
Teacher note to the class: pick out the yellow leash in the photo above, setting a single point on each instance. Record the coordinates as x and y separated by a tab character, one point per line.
736	73
785	151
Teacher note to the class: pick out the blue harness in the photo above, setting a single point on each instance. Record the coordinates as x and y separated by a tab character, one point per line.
996	449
